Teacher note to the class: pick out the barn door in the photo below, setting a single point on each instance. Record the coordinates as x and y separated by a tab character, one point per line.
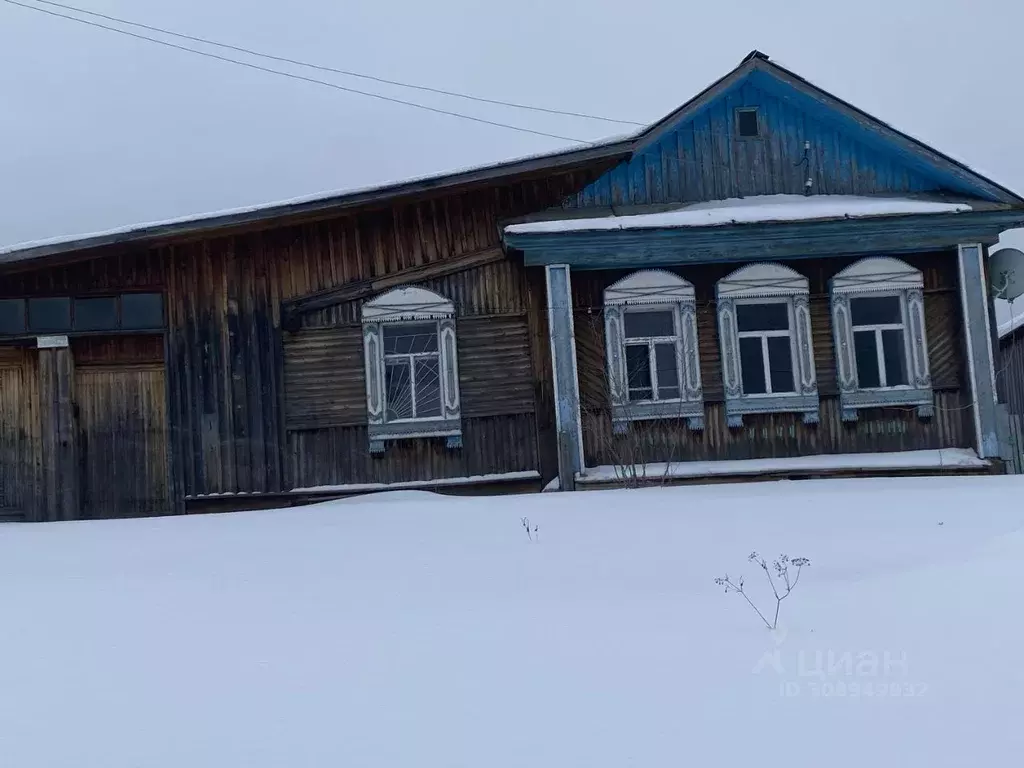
19	434
122	434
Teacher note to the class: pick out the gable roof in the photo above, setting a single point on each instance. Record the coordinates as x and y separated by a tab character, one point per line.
758	67
755	64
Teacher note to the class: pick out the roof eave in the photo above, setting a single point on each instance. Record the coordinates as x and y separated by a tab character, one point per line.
276	214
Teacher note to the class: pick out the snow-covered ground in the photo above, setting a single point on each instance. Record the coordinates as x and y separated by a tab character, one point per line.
414	630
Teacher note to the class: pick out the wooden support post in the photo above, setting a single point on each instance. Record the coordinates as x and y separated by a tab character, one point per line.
980	358
60	457
568	423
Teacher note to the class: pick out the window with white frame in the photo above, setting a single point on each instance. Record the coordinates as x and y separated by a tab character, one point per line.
764	327
412	379
765	332
651	339
879	329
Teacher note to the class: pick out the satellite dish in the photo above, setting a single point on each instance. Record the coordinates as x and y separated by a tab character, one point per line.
1006	273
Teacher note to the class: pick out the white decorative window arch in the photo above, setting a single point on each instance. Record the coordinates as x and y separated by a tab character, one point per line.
764	328
412	371
879	328
651	338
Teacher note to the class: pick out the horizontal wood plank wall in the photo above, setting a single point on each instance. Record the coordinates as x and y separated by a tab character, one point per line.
325	390
20	444
767	436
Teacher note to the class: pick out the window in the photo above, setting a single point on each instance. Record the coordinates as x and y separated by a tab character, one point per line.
651	339
766	356
412	379
142	310
764	326
747	123
49	315
879	330
82	314
412	364
96	314
879	341
12	316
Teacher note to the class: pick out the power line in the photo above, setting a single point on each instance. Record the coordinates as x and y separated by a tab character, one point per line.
347	73
294	76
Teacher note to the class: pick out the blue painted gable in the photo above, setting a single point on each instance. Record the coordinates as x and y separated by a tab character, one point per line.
802	136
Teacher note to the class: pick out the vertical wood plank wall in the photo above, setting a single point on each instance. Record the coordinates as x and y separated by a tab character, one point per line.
20	440
705	159
60	497
778	435
225	387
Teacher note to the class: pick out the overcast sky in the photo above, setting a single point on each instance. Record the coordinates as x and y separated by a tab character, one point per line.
99	130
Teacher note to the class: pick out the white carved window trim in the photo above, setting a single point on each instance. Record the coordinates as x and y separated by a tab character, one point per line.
403	306
882	276
765	283
654	290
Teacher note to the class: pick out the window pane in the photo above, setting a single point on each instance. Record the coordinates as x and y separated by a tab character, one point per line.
668	371
752	367
780	364
894	354
639	325
48	315
398	386
762	317
747	122
875	310
410	339
638	372
12	316
142	310
428	388
866	351
96	314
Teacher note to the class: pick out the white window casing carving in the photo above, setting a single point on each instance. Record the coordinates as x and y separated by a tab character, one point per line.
651	343
878	324
412	370
764	319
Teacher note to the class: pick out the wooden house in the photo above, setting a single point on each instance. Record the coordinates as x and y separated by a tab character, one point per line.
767	272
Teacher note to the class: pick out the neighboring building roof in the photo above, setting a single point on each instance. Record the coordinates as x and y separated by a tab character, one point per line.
748	210
1013	324
755	62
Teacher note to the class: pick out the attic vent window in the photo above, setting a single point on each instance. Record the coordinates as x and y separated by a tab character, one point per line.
746	123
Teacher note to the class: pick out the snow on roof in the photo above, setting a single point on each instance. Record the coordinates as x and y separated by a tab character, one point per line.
748	210
1011	325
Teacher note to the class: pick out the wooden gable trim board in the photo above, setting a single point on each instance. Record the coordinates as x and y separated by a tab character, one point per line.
749	242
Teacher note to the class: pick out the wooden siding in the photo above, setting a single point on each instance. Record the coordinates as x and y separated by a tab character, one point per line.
122	440
20	442
766	436
226	380
325	381
704	158
340	455
325	390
